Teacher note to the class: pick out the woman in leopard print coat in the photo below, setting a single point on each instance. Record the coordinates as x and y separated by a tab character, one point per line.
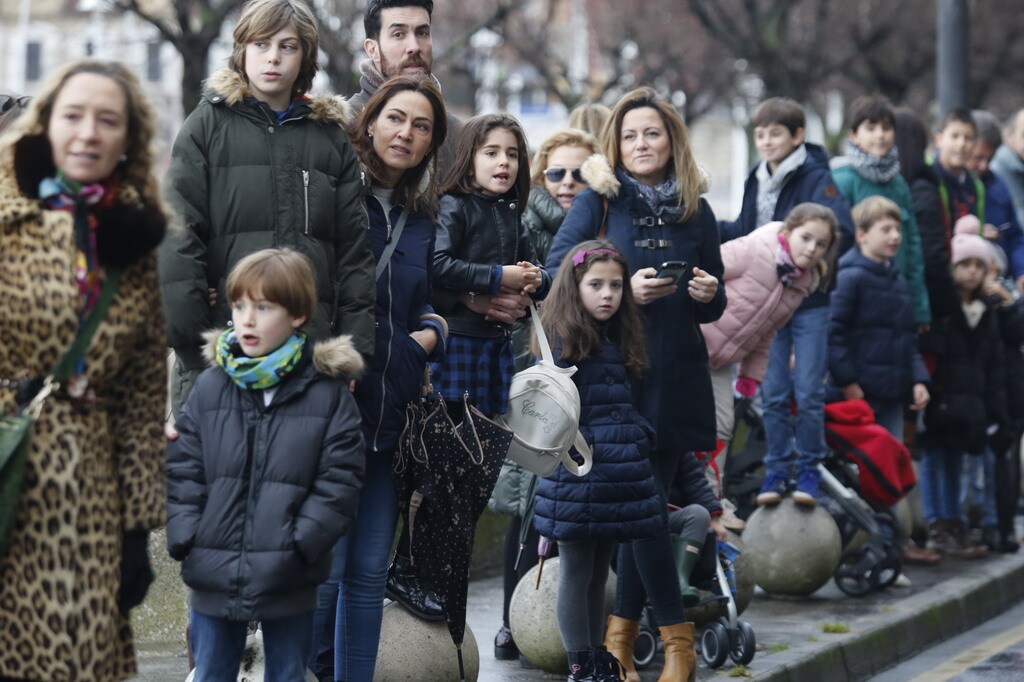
76	170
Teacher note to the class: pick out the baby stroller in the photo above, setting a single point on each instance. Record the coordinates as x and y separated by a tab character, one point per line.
865	472
726	637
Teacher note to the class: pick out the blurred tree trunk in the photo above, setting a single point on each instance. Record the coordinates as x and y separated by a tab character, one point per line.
191	26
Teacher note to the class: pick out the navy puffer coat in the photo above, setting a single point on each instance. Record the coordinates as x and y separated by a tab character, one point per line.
873	337
395	375
257	496
616	500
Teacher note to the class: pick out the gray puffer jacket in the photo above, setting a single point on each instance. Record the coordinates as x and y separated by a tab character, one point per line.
258	495
241	182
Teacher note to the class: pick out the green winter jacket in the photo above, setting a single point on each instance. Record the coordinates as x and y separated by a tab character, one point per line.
543	217
909	258
241	181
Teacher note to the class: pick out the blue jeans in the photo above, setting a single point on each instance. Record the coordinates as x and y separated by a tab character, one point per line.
979	481
889	415
806	336
352	600
940	473
218	644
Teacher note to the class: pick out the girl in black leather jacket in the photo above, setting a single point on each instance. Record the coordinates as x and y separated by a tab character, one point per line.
482	249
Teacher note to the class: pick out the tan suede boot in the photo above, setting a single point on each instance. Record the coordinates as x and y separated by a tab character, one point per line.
680	656
619	638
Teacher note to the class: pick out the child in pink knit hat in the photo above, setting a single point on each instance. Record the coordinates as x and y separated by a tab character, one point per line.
968	406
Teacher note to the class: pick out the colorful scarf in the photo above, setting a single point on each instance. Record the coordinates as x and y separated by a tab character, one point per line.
877	169
784	265
663	198
64	194
262	372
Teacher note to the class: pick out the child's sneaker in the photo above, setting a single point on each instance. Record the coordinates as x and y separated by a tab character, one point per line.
773	488
807	487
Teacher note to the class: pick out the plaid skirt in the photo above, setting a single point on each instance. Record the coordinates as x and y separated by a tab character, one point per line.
481	367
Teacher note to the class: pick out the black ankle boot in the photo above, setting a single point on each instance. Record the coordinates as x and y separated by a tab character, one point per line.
606	667
505	648
404	587
581	666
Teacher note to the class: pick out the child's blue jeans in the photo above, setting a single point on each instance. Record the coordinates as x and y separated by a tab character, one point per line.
806	337
940	472
218	644
979	483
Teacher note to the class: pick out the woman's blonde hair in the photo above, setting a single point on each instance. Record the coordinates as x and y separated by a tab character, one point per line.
281	276
560	138
691	181
137	168
590	117
262	19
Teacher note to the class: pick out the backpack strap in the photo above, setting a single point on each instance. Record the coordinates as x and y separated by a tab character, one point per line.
588	457
392	241
542	338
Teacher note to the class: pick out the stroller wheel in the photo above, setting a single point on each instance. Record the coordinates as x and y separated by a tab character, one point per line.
645	646
855	572
885	574
744	644
714	645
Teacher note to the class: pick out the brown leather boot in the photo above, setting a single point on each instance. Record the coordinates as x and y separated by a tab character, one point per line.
619	638
680	656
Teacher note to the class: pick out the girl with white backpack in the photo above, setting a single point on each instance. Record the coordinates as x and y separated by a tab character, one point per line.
593	322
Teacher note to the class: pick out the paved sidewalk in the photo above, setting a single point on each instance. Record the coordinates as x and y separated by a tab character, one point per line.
884	628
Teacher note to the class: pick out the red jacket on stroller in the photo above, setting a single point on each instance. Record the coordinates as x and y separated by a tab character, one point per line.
886	471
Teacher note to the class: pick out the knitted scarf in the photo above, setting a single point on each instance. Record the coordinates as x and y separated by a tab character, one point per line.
64	194
663	198
769	185
784	265
262	372
877	169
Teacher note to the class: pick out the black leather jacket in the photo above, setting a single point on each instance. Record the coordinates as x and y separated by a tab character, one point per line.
474	233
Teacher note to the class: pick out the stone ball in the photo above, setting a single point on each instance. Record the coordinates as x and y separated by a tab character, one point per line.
253	662
745	583
414	649
534	623
795	549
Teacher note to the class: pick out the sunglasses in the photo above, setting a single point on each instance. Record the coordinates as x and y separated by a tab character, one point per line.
556	174
8	102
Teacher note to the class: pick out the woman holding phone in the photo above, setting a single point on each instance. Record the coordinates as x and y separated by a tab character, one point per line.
646	199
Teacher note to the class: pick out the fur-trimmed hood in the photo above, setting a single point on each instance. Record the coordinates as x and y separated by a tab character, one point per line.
336	357
600	176
228	86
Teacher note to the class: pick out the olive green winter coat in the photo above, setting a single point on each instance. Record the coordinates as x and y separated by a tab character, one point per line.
241	181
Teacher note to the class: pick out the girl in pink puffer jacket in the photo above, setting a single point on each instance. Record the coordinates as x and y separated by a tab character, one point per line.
768	274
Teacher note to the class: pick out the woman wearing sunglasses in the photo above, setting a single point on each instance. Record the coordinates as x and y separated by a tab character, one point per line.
556	180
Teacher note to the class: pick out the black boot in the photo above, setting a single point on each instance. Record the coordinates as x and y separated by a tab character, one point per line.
581	666
404	587
505	648
606	667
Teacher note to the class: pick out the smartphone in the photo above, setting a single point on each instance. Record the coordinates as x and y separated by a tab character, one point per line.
675	269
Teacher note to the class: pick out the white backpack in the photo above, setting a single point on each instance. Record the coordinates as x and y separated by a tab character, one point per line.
544	415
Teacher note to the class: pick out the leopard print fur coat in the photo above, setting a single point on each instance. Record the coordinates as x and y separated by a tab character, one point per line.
91	473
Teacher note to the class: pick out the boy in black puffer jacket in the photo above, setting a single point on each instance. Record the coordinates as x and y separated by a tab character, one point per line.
266	474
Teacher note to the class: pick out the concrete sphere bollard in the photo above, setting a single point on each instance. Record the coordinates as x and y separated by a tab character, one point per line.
253	662
414	649
795	549
534	623
746	580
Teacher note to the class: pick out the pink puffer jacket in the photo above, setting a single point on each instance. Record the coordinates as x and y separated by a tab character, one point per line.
758	304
